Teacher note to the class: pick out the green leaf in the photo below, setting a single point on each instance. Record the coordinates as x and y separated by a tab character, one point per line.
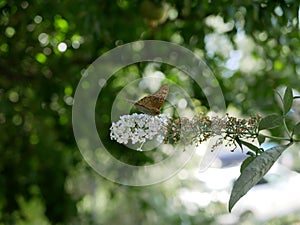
253	172
261	139
239	142
296	129
251	146
246	162
270	122
287	100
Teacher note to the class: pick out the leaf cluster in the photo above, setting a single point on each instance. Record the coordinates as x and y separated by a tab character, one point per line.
259	161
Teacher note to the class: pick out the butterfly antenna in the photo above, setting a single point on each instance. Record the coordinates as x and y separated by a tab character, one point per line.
130	101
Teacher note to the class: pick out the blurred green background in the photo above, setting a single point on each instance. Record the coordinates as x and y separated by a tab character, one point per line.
45	46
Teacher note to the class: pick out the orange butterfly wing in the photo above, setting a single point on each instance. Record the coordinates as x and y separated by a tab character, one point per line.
152	104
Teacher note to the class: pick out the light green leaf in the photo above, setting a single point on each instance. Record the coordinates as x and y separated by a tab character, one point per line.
287	100
253	173
296	129
270	122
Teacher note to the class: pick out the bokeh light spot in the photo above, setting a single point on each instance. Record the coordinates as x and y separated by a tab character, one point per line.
62	47
10	32
41	58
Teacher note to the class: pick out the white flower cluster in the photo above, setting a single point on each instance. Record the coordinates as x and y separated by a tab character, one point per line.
139	128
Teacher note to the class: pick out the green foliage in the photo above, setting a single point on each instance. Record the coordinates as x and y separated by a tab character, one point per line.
246	162
252	147
258	164
31	212
254	172
270	122
287	100
296	129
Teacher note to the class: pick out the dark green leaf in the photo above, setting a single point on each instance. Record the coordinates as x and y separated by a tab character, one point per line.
239	142
246	162
296	129
270	122
249	153
251	146
261	139
253	172
287	100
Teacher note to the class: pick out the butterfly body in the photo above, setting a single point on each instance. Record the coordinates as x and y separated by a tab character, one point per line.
152	104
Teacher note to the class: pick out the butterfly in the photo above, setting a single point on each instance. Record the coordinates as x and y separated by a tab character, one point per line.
152	104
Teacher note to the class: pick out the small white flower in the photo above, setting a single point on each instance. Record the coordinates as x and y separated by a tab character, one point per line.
139	128
160	138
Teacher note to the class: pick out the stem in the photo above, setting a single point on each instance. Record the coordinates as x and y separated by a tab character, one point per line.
242	133
286	128
277	138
